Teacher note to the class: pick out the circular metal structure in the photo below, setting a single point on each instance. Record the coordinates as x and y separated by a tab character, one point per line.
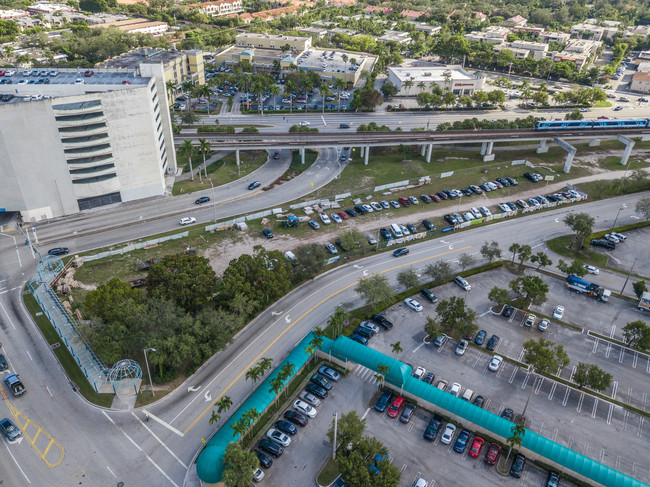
125	370
48	267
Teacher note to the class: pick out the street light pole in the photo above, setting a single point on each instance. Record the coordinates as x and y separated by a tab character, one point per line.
628	274
149	371
214	208
616	219
336	417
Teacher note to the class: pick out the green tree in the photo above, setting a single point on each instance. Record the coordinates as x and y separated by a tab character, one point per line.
186	279
265	363
465	260
354	465
224	404
396	348
374	290
214	418
316	342
108	301
592	376
544	358
455	318
338	320
514	248
239	465
491	251
432	328
576	114
529	290
189	118
350	430
439	271
637	334
388	90
240	427
94	6
498	295
642	208
204	150
541	259
639	288
582	224
276	385
518	432
382	372
576	268
186	149
408	278
524	254
254	374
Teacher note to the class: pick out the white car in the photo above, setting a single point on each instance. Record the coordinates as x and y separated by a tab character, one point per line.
543	325
454	390
612	238
413	304
278	436
368	208
325	219
304	408
558	312
475	211
376	206
495	363
304	123
461	348
619	236
187	220
419	373
308	397
448	434
591	269
421	483
503	207
335	218
258	475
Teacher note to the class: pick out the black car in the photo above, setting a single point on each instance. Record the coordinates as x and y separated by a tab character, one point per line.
428	225
385	234
425	198
442	196
478	401
296	418
461	441
513	182
432	298
503	181
360	210
553	479
507	311
351	213
321	381
467	191
518	466
480	337
485	187
450	195
407	413
429	378
286	427
344	125
381	321
276	156
3	363
382	402
58	251
598	243
316	390
432	429
492	343
254	184
476	189
450	219
412	228
267	233
400	252
265	460
270	447
202	199
364	332
508	414
340	243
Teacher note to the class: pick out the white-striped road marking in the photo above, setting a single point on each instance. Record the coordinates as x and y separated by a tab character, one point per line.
580	399
550	394
566	396
539	385
160	421
621	355
595	408
614	388
596	342
525	381
640	431
514	373
609	414
159	440
554	434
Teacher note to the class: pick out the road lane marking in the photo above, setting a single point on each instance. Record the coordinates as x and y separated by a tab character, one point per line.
16	462
109	469
298	320
7	315
159	441
365	414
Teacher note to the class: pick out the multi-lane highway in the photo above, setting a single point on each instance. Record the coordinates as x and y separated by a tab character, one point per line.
105	447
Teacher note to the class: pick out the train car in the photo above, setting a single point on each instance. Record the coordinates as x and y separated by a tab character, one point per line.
591	124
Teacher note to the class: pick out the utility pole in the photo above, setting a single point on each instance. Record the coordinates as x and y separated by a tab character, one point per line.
628	274
149	371
336	417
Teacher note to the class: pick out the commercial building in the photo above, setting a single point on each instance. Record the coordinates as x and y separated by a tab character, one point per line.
579	51
494	34
272	41
218	8
516	20
640	82
595	30
413	79
79	142
142	26
523	49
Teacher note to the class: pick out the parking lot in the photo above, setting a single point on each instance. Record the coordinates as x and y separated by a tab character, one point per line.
635	246
588	425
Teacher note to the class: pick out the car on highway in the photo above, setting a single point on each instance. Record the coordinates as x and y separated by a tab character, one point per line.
336	218
58	251
480	337
304	123
382	402
492	343
254	184
432	428
314	390
265	460
187	220
400	252
475	449
319	380
304	408
413	304
271	447
492	455
495	363
344	125
461	441
296	418
202	199
461	348
276	156
9	429
558	312
448	434
618	108
286	427
279	437
331	248
518	466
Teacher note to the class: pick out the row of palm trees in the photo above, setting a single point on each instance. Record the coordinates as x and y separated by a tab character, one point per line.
186	149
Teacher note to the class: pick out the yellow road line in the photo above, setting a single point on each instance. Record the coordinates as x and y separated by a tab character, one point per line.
254	361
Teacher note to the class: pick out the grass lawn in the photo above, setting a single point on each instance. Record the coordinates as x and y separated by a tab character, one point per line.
613	163
329	473
63	355
223	171
560	246
602	104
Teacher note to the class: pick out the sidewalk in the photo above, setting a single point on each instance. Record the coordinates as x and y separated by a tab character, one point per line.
187	175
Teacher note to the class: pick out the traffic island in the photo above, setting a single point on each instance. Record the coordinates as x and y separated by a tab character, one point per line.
328	473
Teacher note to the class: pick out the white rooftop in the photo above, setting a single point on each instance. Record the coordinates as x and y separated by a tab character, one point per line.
431	73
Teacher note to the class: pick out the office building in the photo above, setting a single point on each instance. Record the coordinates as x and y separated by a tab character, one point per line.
453	78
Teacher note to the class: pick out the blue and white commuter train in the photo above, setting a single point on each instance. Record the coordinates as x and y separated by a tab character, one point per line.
593	124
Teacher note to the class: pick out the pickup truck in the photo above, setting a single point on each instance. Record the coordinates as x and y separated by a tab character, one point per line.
15	386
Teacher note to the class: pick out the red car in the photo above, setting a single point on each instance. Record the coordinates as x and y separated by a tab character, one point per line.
603	118
396	407
492	454
89	73
343	215
499	185
404	201
476	447
126	82
435	197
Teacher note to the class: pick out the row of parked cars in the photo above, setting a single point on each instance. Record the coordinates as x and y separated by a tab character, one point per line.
16	387
608	241
304	408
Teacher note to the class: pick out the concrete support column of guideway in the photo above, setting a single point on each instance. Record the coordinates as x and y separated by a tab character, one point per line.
302	155
429	150
629	145
237	157
366	154
423	150
571	151
543	148
361	149
486	151
594	142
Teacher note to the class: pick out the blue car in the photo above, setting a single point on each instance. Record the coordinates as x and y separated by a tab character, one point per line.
358	339
461	442
400	252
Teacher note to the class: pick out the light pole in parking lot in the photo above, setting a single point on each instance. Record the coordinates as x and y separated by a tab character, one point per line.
336	417
616	219
628	274
149	371
214	208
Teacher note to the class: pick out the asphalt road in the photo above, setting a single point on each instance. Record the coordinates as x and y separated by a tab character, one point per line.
105	447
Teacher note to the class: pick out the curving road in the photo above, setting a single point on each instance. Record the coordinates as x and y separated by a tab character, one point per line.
105	447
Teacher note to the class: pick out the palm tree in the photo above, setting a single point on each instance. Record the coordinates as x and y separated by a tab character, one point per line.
254	373
324	91
382	372
397	347
339	84
187	88
289	88
204	90
171	89
265	364
214	418
186	149
275	91
421	86
518	432
240	427
204	149
224	404
258	89
345	60
514	248
407	85
286	371
315	342
276	385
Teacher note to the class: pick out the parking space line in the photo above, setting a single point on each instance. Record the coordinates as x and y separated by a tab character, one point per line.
618	462
640	427
644	398
539	386
487	403
602	454
608	349
621	355
626	415
525	381
586	448
404	468
478	357
570	441
365	414
573	371
647	367
609	414
521	354
554	434
580	399
635	357
596	342
566	396
550	394
629	395
611	333
541	428
594	409
614	388
514	373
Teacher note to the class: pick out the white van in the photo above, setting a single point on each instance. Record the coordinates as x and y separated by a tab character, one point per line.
467	395
396	230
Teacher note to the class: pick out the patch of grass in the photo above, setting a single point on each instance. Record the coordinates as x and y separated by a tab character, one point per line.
560	246
328	473
602	104
609	188
64	357
223	171
613	163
